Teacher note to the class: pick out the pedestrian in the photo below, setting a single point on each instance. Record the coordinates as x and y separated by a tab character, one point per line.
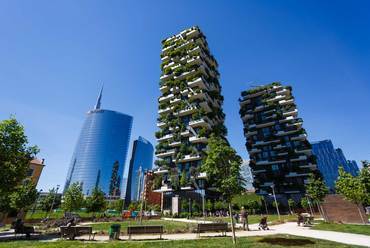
244	219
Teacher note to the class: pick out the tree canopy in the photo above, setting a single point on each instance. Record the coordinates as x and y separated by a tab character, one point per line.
15	156
96	201
222	166
73	198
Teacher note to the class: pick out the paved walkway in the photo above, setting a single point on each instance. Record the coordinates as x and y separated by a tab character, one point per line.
290	228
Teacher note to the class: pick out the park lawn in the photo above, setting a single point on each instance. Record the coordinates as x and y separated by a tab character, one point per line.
60	214
347	228
253	219
169	226
274	241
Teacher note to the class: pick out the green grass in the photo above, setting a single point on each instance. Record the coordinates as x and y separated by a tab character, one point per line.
256	242
169	226
59	214
347	228
253	219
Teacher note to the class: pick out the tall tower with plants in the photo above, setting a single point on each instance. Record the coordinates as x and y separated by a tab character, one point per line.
280	155
190	111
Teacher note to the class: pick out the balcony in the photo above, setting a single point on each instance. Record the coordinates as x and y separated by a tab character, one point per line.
186	133
187	188
300	158
165	58
197	95
295	174
195	139
161	124
164	188
243	102
205	106
284	102
310	166
163	111
165	77
202	175
186	111
302	136
280	146
160	171
193	33
287	119
307	151
283	92
249	133
175	144
163	89
267	124
254	150
166	137
200	123
276	98
175	100
189	158
282	133
165	98
247	117
291	113
199	82
166	154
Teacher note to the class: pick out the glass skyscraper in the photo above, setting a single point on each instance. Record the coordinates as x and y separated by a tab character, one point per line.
141	161
100	154
330	159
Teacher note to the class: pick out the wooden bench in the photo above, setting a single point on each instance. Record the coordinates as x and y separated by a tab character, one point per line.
212	227
73	231
24	230
144	230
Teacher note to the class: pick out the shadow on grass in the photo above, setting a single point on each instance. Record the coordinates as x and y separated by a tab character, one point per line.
286	241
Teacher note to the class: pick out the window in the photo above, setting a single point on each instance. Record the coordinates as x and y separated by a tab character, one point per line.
30	172
275	167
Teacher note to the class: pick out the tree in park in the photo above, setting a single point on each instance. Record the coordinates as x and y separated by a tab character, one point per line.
291	205
24	197
317	190
116	205
354	189
15	156
249	201
51	199
208	206
73	198
96	201
222	166
305	203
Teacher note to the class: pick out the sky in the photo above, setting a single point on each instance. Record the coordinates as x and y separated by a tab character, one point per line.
55	55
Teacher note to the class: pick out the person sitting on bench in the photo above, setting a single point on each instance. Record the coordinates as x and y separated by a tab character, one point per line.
263	224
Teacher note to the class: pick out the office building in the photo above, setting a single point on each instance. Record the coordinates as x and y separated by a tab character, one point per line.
35	169
141	161
100	153
190	110
280	155
329	160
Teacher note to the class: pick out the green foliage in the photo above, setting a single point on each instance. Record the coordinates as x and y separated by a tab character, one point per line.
47	202
291	203
134	206
274	204
222	166
208	206
183	179
249	201
25	196
73	198
116	205
15	155
157	181
354	189
219	205
316	188
96	201
305	203
114	183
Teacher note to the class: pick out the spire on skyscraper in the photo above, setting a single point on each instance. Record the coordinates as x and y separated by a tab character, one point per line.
98	101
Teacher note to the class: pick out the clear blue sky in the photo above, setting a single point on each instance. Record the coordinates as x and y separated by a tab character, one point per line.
54	55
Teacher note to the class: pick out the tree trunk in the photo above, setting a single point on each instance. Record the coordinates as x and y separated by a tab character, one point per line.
290	210
323	212
232	223
359	211
318	208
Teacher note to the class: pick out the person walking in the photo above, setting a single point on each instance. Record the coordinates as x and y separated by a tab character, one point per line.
244	219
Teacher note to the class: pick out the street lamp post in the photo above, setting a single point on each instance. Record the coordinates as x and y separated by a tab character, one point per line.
52	204
277	207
